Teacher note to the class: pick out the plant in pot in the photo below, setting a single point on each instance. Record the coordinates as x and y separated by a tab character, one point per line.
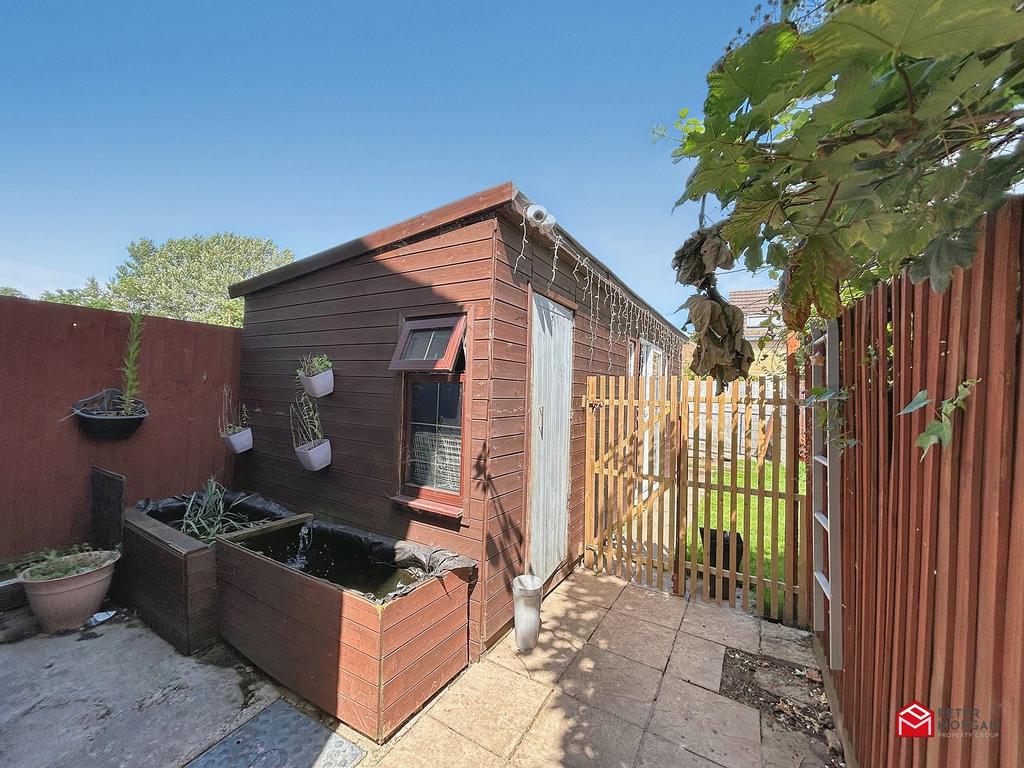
234	423
117	413
65	590
311	448
316	372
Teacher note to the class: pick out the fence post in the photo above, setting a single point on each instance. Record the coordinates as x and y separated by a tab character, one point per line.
589	528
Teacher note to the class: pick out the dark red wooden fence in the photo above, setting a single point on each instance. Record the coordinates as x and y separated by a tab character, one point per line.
52	355
933	548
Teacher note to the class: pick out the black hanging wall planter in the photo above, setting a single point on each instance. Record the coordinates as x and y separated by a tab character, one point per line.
100	416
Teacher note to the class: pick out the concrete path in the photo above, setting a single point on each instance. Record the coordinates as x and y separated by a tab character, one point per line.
623	677
119	695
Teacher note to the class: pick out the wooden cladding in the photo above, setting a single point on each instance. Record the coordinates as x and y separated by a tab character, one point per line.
933	545
370	665
698	491
53	354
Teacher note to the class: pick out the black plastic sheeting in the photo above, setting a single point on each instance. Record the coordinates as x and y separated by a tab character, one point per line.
355	549
171	511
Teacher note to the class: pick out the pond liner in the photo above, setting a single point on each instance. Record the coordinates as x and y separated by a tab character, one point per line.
357	548
171	511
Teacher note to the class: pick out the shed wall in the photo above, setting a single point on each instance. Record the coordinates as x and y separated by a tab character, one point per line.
352	311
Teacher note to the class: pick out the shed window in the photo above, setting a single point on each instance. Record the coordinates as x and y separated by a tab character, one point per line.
431	355
429	345
435	434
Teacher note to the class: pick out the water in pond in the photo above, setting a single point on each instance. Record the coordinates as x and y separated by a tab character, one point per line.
335	558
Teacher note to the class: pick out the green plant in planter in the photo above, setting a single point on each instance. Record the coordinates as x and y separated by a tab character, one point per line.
10	569
311	365
130	367
207	517
305	421
233	418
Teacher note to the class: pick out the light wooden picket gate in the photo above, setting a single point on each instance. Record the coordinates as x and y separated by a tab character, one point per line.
677	474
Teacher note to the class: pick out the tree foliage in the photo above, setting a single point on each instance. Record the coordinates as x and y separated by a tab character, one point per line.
92	294
848	139
6	290
185	278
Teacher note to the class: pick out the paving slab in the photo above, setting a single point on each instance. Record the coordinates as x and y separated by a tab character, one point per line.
656	752
431	744
722	624
697	661
570	734
592	588
787	644
635	639
491	705
284	737
617	685
546	662
710	725
651	605
783	748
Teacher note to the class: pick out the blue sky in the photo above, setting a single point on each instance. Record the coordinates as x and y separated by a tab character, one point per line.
312	123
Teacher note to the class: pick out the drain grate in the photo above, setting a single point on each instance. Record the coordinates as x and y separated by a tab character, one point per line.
280	737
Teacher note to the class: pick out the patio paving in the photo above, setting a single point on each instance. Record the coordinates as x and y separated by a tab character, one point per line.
623	677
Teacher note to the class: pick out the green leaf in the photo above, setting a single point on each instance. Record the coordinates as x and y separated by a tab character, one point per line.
916	28
944	254
920	400
854	97
814	279
751	72
938	432
753	259
757	206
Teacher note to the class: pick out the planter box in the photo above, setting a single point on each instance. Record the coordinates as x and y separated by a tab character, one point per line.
315	457
369	664
171	580
108	427
319	385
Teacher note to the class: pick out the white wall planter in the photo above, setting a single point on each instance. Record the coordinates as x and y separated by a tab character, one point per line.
319	385
314	456
239	442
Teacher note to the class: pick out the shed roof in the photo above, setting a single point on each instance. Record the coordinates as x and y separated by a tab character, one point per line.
492	199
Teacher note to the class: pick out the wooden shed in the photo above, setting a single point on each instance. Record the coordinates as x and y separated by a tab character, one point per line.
461	340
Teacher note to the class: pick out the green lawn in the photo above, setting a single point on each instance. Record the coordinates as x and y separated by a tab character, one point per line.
758	544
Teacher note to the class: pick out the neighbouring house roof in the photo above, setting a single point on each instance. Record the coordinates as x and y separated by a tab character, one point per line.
502	196
756	304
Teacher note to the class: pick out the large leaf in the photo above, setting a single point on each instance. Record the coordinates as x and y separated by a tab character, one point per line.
751	72
756	206
814	278
853	98
941	257
916	28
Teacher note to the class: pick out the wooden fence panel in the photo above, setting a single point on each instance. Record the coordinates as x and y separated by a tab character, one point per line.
933	544
694	490
51	355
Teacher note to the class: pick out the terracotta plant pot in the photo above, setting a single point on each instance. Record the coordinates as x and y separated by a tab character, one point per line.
319	385
314	456
239	442
67	602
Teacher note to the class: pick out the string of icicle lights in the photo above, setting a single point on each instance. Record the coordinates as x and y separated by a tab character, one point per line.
627	318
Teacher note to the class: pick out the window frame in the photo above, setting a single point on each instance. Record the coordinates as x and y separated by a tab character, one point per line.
446	362
421	497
